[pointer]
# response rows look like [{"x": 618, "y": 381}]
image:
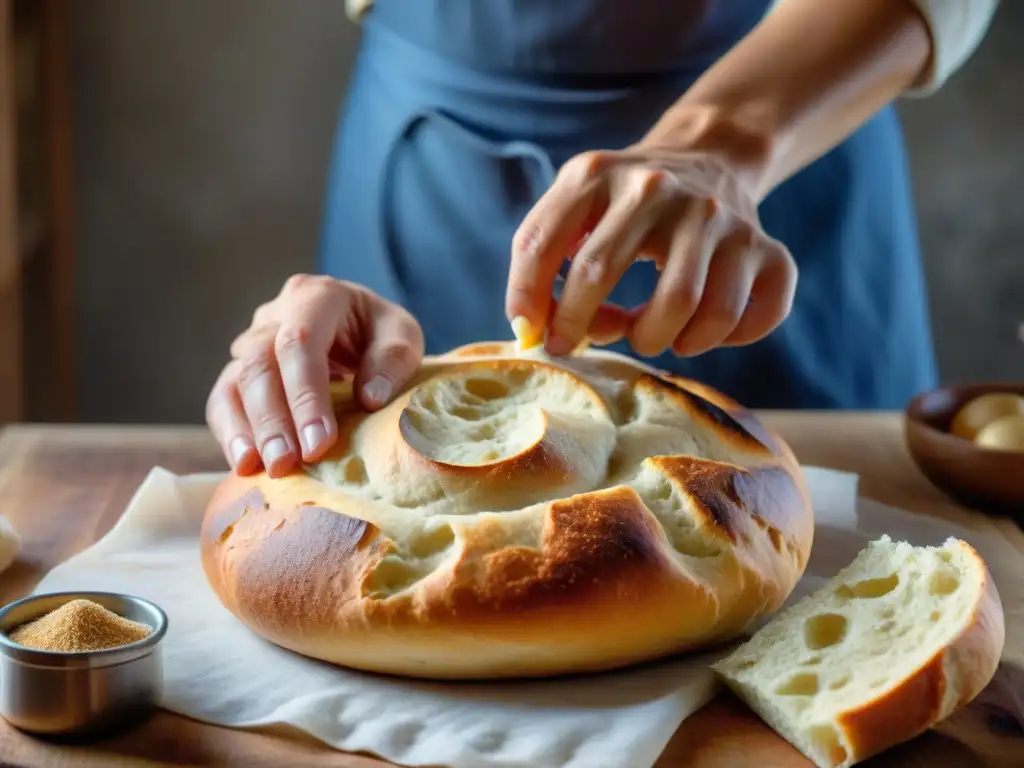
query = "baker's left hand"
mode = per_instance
[{"x": 723, "y": 281}]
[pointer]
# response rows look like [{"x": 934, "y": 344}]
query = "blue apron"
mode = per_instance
[{"x": 459, "y": 113}]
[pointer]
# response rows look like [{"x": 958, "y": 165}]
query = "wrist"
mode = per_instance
[{"x": 744, "y": 136}]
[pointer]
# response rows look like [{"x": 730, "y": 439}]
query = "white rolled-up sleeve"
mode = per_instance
[{"x": 957, "y": 28}]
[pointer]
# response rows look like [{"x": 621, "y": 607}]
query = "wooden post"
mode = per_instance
[
  {"x": 11, "y": 361},
  {"x": 60, "y": 209}
]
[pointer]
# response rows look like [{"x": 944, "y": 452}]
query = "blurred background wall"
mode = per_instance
[{"x": 202, "y": 132}]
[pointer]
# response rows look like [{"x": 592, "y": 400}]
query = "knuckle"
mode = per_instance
[
  {"x": 526, "y": 242},
  {"x": 305, "y": 284},
  {"x": 593, "y": 265},
  {"x": 267, "y": 423},
  {"x": 297, "y": 282},
  {"x": 262, "y": 315},
  {"x": 399, "y": 354},
  {"x": 649, "y": 184},
  {"x": 777, "y": 253},
  {"x": 306, "y": 400},
  {"x": 587, "y": 166},
  {"x": 258, "y": 363},
  {"x": 414, "y": 333},
  {"x": 684, "y": 296},
  {"x": 293, "y": 339},
  {"x": 569, "y": 322}
]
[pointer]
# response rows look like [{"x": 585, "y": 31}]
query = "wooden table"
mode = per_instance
[{"x": 63, "y": 488}]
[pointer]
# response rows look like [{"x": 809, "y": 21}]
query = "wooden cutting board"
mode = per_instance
[{"x": 63, "y": 488}]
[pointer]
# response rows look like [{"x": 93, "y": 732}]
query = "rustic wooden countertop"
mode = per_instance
[{"x": 64, "y": 487}]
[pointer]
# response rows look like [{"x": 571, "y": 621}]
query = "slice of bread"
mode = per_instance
[{"x": 893, "y": 644}]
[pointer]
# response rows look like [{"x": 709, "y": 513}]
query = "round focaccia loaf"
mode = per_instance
[{"x": 514, "y": 515}]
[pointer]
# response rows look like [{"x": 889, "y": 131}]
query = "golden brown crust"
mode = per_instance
[
  {"x": 952, "y": 678},
  {"x": 537, "y": 563}
]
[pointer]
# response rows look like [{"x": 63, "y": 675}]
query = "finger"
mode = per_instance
[
  {"x": 771, "y": 298},
  {"x": 392, "y": 355},
  {"x": 605, "y": 257},
  {"x": 550, "y": 233},
  {"x": 681, "y": 284},
  {"x": 228, "y": 423},
  {"x": 610, "y": 324},
  {"x": 266, "y": 409},
  {"x": 302, "y": 347},
  {"x": 252, "y": 337},
  {"x": 725, "y": 298}
]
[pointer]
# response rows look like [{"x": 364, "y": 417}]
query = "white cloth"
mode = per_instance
[{"x": 218, "y": 671}]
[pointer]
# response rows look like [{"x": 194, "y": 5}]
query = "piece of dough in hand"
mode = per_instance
[{"x": 10, "y": 544}]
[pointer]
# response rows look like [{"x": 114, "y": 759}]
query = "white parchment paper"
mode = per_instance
[{"x": 218, "y": 671}]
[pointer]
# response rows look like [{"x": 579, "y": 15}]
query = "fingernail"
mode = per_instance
[
  {"x": 558, "y": 345},
  {"x": 378, "y": 390},
  {"x": 239, "y": 448},
  {"x": 274, "y": 449},
  {"x": 312, "y": 436}
]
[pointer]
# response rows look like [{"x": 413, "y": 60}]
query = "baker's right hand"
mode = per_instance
[{"x": 271, "y": 404}]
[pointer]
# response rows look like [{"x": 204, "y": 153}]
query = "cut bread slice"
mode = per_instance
[{"x": 893, "y": 644}]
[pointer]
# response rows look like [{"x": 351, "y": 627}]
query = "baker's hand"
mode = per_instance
[
  {"x": 723, "y": 281},
  {"x": 271, "y": 404}
]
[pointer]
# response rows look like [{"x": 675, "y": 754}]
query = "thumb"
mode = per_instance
[{"x": 392, "y": 355}]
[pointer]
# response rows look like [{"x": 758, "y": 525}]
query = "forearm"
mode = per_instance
[{"x": 801, "y": 82}]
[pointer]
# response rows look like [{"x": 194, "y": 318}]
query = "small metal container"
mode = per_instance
[{"x": 84, "y": 694}]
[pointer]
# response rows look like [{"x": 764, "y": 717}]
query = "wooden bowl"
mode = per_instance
[{"x": 985, "y": 480}]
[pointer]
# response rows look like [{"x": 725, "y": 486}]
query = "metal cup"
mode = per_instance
[{"x": 80, "y": 694}]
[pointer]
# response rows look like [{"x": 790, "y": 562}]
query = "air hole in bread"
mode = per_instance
[
  {"x": 887, "y": 613},
  {"x": 825, "y": 741},
  {"x": 824, "y": 630},
  {"x": 870, "y": 588},
  {"x": 625, "y": 405},
  {"x": 355, "y": 471},
  {"x": 745, "y": 665},
  {"x": 392, "y": 575},
  {"x": 886, "y": 626},
  {"x": 935, "y": 615},
  {"x": 466, "y": 412},
  {"x": 945, "y": 556},
  {"x": 878, "y": 682},
  {"x": 944, "y": 582},
  {"x": 431, "y": 496},
  {"x": 812, "y": 661},
  {"x": 663, "y": 491},
  {"x": 800, "y": 684},
  {"x": 484, "y": 432},
  {"x": 839, "y": 683},
  {"x": 486, "y": 389},
  {"x": 432, "y": 542},
  {"x": 687, "y": 541},
  {"x": 615, "y": 466}
]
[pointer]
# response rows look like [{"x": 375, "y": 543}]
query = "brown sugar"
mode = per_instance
[{"x": 80, "y": 625}]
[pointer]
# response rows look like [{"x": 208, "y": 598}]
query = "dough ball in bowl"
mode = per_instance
[{"x": 514, "y": 515}]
